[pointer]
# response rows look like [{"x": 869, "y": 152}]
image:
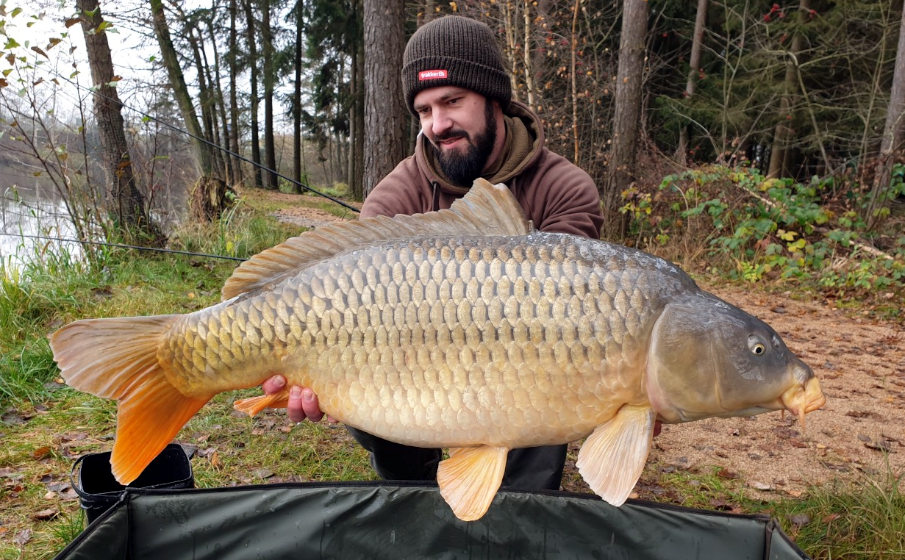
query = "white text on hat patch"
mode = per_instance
[{"x": 431, "y": 75}]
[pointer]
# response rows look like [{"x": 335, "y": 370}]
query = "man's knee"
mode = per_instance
[{"x": 394, "y": 461}]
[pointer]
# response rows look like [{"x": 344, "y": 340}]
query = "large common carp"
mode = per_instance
[{"x": 461, "y": 328}]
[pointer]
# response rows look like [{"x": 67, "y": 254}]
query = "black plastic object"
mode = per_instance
[
  {"x": 385, "y": 520},
  {"x": 98, "y": 491}
]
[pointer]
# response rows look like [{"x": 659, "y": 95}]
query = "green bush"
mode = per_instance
[{"x": 751, "y": 228}]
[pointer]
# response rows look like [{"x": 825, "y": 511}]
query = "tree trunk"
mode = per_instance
[
  {"x": 386, "y": 116},
  {"x": 205, "y": 95},
  {"x": 123, "y": 199},
  {"x": 220, "y": 106},
  {"x": 269, "y": 74},
  {"x": 356, "y": 116},
  {"x": 694, "y": 67},
  {"x": 210, "y": 191},
  {"x": 253, "y": 85},
  {"x": 297, "y": 140},
  {"x": 233, "y": 95},
  {"x": 526, "y": 55},
  {"x": 573, "y": 78},
  {"x": 892, "y": 132},
  {"x": 779, "y": 152},
  {"x": 508, "y": 17},
  {"x": 626, "y": 121}
]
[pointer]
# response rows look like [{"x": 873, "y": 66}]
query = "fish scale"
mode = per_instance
[{"x": 433, "y": 324}]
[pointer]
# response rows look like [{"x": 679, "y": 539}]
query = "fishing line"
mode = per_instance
[
  {"x": 124, "y": 246},
  {"x": 210, "y": 143}
]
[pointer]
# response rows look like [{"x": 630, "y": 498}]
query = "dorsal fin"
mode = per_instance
[{"x": 486, "y": 209}]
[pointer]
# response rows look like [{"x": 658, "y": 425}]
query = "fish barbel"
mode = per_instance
[{"x": 462, "y": 329}]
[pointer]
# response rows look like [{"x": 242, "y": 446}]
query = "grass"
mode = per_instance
[
  {"x": 46, "y": 426},
  {"x": 864, "y": 520}
]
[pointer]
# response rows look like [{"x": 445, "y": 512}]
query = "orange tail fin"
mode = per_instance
[{"x": 117, "y": 359}]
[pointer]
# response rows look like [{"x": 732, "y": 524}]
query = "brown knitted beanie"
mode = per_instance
[{"x": 454, "y": 51}]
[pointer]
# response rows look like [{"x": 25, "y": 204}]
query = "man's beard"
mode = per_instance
[{"x": 463, "y": 168}]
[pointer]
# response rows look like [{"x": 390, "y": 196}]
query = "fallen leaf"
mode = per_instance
[
  {"x": 263, "y": 473},
  {"x": 9, "y": 472},
  {"x": 726, "y": 474},
  {"x": 721, "y": 505},
  {"x": 46, "y": 514},
  {"x": 189, "y": 449},
  {"x": 22, "y": 537},
  {"x": 14, "y": 418},
  {"x": 40, "y": 453},
  {"x": 879, "y": 446}
]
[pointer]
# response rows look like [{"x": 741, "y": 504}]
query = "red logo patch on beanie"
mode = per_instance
[{"x": 432, "y": 75}]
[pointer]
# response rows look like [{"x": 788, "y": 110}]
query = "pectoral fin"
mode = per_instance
[
  {"x": 612, "y": 458},
  {"x": 470, "y": 478},
  {"x": 253, "y": 405}
]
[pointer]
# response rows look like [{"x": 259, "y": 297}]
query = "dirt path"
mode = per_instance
[{"x": 861, "y": 367}]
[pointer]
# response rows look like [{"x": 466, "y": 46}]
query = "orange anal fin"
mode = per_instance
[
  {"x": 253, "y": 405},
  {"x": 470, "y": 478},
  {"x": 149, "y": 417}
]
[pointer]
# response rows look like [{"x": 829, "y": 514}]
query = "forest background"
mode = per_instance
[{"x": 680, "y": 113}]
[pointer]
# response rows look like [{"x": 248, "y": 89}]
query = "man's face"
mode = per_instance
[{"x": 460, "y": 125}]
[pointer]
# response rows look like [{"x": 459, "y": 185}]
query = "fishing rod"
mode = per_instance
[{"x": 123, "y": 246}]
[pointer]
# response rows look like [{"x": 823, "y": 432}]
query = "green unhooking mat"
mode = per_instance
[{"x": 379, "y": 520}]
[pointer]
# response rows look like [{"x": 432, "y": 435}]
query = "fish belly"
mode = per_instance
[{"x": 510, "y": 341}]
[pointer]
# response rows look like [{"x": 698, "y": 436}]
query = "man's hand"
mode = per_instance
[{"x": 302, "y": 400}]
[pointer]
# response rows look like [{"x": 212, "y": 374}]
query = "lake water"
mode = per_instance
[{"x": 26, "y": 216}]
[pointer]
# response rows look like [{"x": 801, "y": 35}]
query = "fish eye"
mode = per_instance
[{"x": 757, "y": 346}]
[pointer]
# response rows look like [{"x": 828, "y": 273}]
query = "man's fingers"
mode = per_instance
[
  {"x": 294, "y": 406},
  {"x": 310, "y": 405},
  {"x": 274, "y": 384}
]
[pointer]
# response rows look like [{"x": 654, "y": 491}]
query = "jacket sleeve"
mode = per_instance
[
  {"x": 567, "y": 200},
  {"x": 397, "y": 193}
]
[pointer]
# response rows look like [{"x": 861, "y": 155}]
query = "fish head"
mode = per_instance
[{"x": 710, "y": 358}]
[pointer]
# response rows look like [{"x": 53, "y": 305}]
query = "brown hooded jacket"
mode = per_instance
[{"x": 557, "y": 196}]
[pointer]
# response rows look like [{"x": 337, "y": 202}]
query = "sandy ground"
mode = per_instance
[{"x": 861, "y": 367}]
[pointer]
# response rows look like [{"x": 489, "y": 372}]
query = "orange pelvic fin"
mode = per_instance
[
  {"x": 612, "y": 457},
  {"x": 470, "y": 478},
  {"x": 117, "y": 359},
  {"x": 253, "y": 405}
]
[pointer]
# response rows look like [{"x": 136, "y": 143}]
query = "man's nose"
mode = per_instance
[{"x": 440, "y": 122}]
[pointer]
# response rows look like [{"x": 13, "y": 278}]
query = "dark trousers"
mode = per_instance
[{"x": 530, "y": 468}]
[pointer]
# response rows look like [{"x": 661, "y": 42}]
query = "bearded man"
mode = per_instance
[{"x": 455, "y": 84}]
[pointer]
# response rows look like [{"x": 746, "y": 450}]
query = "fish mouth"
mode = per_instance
[{"x": 802, "y": 399}]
